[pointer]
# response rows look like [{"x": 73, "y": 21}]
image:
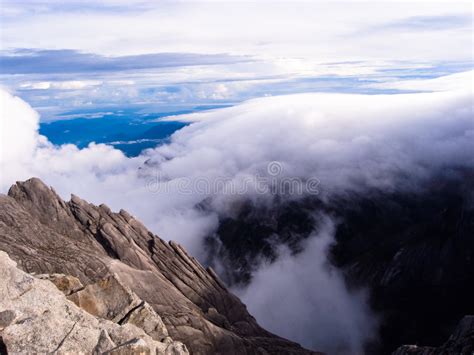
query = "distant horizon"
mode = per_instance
[{"x": 160, "y": 55}]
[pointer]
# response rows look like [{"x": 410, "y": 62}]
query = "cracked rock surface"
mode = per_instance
[{"x": 36, "y": 317}]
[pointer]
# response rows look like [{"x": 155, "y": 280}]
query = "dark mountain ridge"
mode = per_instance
[{"x": 413, "y": 250}]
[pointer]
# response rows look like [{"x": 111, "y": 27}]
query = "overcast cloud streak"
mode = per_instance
[{"x": 24, "y": 61}]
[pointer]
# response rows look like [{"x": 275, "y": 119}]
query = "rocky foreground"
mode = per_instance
[
  {"x": 36, "y": 317},
  {"x": 78, "y": 278}
]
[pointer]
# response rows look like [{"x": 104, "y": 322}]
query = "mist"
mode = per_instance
[
  {"x": 305, "y": 299},
  {"x": 350, "y": 143}
]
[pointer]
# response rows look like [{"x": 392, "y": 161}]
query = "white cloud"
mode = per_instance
[
  {"x": 25, "y": 153},
  {"x": 286, "y": 42},
  {"x": 62, "y": 85},
  {"x": 349, "y": 142},
  {"x": 277, "y": 29},
  {"x": 18, "y": 129},
  {"x": 458, "y": 81}
]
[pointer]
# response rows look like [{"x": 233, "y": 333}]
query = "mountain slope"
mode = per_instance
[
  {"x": 411, "y": 249},
  {"x": 47, "y": 235}
]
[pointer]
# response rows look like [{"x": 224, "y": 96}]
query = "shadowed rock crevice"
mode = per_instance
[
  {"x": 3, "y": 347},
  {"x": 64, "y": 339},
  {"x": 127, "y": 316}
]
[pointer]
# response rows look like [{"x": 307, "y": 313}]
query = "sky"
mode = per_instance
[
  {"x": 165, "y": 56},
  {"x": 360, "y": 95}
]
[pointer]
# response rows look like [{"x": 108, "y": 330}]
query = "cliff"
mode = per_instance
[
  {"x": 113, "y": 273},
  {"x": 412, "y": 250}
]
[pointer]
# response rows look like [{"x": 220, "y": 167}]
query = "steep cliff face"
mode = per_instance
[
  {"x": 415, "y": 252},
  {"x": 46, "y": 235},
  {"x": 412, "y": 250}
]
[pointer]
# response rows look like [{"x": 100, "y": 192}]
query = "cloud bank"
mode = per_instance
[{"x": 351, "y": 143}]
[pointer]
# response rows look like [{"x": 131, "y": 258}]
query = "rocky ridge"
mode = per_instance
[
  {"x": 412, "y": 250},
  {"x": 121, "y": 276},
  {"x": 460, "y": 342}
]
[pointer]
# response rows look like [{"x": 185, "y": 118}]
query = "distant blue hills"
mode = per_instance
[{"x": 127, "y": 130}]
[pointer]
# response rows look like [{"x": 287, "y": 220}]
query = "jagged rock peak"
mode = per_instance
[{"x": 163, "y": 290}]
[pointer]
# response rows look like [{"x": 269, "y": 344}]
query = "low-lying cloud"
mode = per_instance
[
  {"x": 350, "y": 143},
  {"x": 306, "y": 300}
]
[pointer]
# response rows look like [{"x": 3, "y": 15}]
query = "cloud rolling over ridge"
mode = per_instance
[{"x": 351, "y": 143}]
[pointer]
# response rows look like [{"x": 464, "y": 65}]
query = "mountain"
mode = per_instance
[
  {"x": 415, "y": 253},
  {"x": 412, "y": 250},
  {"x": 115, "y": 276}
]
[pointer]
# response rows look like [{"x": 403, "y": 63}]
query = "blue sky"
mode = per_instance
[{"x": 165, "y": 56}]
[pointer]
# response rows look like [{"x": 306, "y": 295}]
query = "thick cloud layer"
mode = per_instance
[{"x": 350, "y": 143}]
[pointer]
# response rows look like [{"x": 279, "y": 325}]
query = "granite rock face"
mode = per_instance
[
  {"x": 102, "y": 255},
  {"x": 66, "y": 283},
  {"x": 111, "y": 299},
  {"x": 36, "y": 317}
]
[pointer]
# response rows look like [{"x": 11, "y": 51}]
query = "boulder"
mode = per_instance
[
  {"x": 66, "y": 283},
  {"x": 107, "y": 298},
  {"x": 38, "y": 318},
  {"x": 111, "y": 299}
]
